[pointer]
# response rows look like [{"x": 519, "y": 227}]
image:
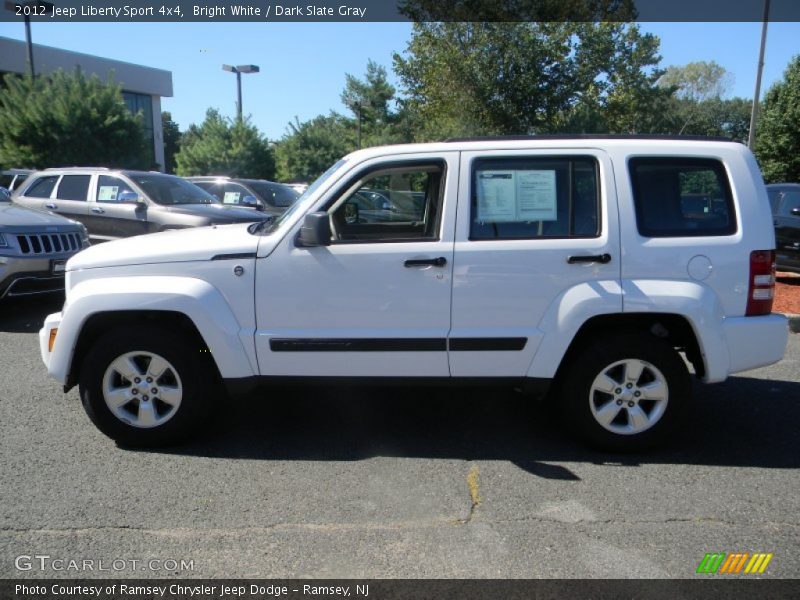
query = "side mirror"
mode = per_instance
[
  {"x": 249, "y": 201},
  {"x": 316, "y": 230},
  {"x": 795, "y": 211},
  {"x": 351, "y": 212}
]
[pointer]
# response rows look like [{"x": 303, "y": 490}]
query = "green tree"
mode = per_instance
[
  {"x": 172, "y": 140},
  {"x": 697, "y": 81},
  {"x": 523, "y": 78},
  {"x": 715, "y": 117},
  {"x": 65, "y": 119},
  {"x": 221, "y": 146},
  {"x": 778, "y": 133},
  {"x": 309, "y": 148},
  {"x": 369, "y": 100}
]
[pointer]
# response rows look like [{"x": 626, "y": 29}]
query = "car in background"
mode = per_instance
[
  {"x": 784, "y": 199},
  {"x": 34, "y": 248},
  {"x": 116, "y": 204},
  {"x": 266, "y": 196},
  {"x": 11, "y": 179},
  {"x": 298, "y": 187}
]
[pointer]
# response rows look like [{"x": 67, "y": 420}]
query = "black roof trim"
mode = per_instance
[{"x": 591, "y": 136}]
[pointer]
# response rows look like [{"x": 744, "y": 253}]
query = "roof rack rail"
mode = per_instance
[
  {"x": 73, "y": 168},
  {"x": 591, "y": 136}
]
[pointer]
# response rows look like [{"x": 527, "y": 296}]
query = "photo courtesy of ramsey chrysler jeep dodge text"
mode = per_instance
[{"x": 600, "y": 270}]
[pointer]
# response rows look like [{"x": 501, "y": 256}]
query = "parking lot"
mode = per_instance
[{"x": 393, "y": 483}]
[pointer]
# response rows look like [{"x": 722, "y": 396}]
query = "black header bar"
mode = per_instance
[{"x": 180, "y": 11}]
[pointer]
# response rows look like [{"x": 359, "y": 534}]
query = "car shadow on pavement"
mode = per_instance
[
  {"x": 26, "y": 314},
  {"x": 745, "y": 422}
]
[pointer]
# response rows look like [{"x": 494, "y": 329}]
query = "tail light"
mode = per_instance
[{"x": 762, "y": 283}]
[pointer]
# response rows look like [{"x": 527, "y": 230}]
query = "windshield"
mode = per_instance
[
  {"x": 168, "y": 190},
  {"x": 302, "y": 201},
  {"x": 4, "y": 195},
  {"x": 274, "y": 194}
]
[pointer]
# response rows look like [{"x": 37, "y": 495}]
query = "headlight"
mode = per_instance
[{"x": 84, "y": 236}]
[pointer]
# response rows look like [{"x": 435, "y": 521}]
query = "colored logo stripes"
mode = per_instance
[{"x": 734, "y": 563}]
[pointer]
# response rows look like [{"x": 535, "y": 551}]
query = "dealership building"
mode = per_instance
[{"x": 142, "y": 87}]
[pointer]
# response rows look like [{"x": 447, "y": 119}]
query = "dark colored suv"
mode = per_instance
[
  {"x": 115, "y": 203},
  {"x": 266, "y": 196},
  {"x": 784, "y": 198}
]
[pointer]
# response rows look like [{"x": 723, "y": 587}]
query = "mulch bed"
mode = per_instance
[{"x": 787, "y": 294}]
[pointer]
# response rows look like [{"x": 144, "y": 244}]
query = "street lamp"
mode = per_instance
[
  {"x": 239, "y": 69},
  {"x": 37, "y": 7}
]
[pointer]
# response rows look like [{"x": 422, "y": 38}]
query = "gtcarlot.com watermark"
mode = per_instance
[{"x": 47, "y": 563}]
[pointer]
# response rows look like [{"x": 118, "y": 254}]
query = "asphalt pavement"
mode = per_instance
[{"x": 372, "y": 483}]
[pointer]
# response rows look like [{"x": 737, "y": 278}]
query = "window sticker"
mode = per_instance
[
  {"x": 231, "y": 198},
  {"x": 516, "y": 195},
  {"x": 107, "y": 193}
]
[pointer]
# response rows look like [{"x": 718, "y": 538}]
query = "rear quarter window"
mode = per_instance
[
  {"x": 681, "y": 197},
  {"x": 41, "y": 187}
]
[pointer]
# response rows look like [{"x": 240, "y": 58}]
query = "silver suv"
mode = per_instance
[
  {"x": 34, "y": 247},
  {"x": 116, "y": 203}
]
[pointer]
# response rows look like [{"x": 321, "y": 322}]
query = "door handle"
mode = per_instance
[
  {"x": 98, "y": 210},
  {"x": 596, "y": 258},
  {"x": 426, "y": 262},
  {"x": 51, "y": 205}
]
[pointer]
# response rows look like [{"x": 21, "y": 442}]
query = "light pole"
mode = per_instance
[
  {"x": 239, "y": 69},
  {"x": 751, "y": 137},
  {"x": 26, "y": 8}
]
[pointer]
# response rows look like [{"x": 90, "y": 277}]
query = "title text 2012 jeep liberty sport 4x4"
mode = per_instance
[{"x": 594, "y": 263}]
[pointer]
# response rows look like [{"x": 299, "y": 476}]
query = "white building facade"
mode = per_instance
[{"x": 142, "y": 87}]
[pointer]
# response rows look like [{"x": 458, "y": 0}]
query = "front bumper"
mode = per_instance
[
  {"x": 29, "y": 276},
  {"x": 51, "y": 322},
  {"x": 755, "y": 341}
]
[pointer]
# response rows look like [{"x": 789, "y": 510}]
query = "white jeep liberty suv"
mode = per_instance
[{"x": 595, "y": 264}]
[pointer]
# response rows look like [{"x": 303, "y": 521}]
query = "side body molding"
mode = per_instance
[{"x": 197, "y": 299}]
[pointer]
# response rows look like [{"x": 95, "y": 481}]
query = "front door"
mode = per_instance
[
  {"x": 114, "y": 213},
  {"x": 376, "y": 302}
]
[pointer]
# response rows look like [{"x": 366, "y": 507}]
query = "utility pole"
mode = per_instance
[{"x": 751, "y": 138}]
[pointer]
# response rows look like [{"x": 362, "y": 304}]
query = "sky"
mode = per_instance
[{"x": 303, "y": 65}]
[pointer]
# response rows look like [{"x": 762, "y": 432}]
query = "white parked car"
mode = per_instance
[{"x": 584, "y": 265}]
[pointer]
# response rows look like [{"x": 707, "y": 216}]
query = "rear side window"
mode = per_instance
[
  {"x": 682, "y": 197},
  {"x": 534, "y": 198},
  {"x": 73, "y": 187},
  {"x": 42, "y": 187},
  {"x": 790, "y": 202}
]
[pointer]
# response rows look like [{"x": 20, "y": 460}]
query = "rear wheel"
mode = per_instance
[
  {"x": 146, "y": 387},
  {"x": 625, "y": 393}
]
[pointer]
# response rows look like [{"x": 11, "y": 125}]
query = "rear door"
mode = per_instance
[
  {"x": 70, "y": 197},
  {"x": 535, "y": 236}
]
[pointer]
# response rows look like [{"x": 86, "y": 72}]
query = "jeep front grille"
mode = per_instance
[{"x": 49, "y": 243}]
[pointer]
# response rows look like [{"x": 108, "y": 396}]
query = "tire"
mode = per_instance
[
  {"x": 625, "y": 393},
  {"x": 168, "y": 408}
]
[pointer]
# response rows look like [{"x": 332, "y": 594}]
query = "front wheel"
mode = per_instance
[
  {"x": 625, "y": 393},
  {"x": 145, "y": 387}
]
